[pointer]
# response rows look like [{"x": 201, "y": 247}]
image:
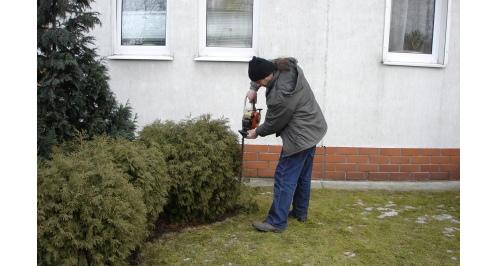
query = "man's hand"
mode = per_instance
[
  {"x": 252, "y": 134},
  {"x": 252, "y": 96}
]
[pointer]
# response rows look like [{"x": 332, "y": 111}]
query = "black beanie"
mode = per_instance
[{"x": 259, "y": 68}]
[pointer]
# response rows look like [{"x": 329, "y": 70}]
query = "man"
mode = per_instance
[{"x": 294, "y": 114}]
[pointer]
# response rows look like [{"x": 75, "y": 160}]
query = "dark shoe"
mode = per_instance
[
  {"x": 266, "y": 227},
  {"x": 300, "y": 219}
]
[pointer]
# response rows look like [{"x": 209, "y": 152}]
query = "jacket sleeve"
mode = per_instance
[{"x": 277, "y": 117}]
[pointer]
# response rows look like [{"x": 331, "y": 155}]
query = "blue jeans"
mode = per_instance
[{"x": 292, "y": 184}]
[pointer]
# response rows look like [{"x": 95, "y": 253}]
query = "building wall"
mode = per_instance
[
  {"x": 362, "y": 163},
  {"x": 338, "y": 44},
  {"x": 371, "y": 104}
]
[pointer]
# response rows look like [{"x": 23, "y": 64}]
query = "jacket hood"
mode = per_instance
[{"x": 290, "y": 76}]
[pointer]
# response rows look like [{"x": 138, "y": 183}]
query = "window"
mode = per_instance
[
  {"x": 141, "y": 29},
  {"x": 227, "y": 30},
  {"x": 416, "y": 32}
]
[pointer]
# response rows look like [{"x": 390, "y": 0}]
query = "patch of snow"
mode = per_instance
[
  {"x": 407, "y": 207},
  {"x": 449, "y": 251},
  {"x": 453, "y": 258},
  {"x": 349, "y": 254},
  {"x": 388, "y": 214},
  {"x": 383, "y": 209},
  {"x": 449, "y": 231},
  {"x": 421, "y": 220},
  {"x": 369, "y": 209},
  {"x": 359, "y": 202},
  {"x": 186, "y": 259},
  {"x": 443, "y": 217},
  {"x": 390, "y": 204},
  {"x": 440, "y": 206}
]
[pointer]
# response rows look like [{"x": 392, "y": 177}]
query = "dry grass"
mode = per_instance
[{"x": 344, "y": 227}]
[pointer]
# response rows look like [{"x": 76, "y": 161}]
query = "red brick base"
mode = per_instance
[{"x": 354, "y": 163}]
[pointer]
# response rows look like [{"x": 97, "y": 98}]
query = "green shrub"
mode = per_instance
[
  {"x": 203, "y": 158},
  {"x": 143, "y": 165},
  {"x": 147, "y": 171},
  {"x": 88, "y": 212},
  {"x": 246, "y": 201}
]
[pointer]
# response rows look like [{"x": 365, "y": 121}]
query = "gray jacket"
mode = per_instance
[{"x": 292, "y": 111}]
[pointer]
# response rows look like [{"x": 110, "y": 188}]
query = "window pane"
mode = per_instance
[
  {"x": 144, "y": 22},
  {"x": 229, "y": 23},
  {"x": 411, "y": 26}
]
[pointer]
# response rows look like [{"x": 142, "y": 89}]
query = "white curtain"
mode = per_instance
[
  {"x": 411, "y": 26},
  {"x": 229, "y": 23}
]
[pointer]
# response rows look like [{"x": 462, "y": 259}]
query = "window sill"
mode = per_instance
[
  {"x": 141, "y": 57},
  {"x": 393, "y": 63},
  {"x": 223, "y": 58}
]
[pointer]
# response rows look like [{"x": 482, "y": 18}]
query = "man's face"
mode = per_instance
[{"x": 265, "y": 81}]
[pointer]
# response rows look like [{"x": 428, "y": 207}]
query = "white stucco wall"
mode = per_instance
[{"x": 339, "y": 45}]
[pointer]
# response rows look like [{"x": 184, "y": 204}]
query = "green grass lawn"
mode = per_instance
[{"x": 343, "y": 228}]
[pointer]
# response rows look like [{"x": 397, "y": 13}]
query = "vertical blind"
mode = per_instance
[{"x": 229, "y": 23}]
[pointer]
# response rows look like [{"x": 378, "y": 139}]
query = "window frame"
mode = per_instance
[
  {"x": 222, "y": 53},
  {"x": 441, "y": 32},
  {"x": 139, "y": 52}
]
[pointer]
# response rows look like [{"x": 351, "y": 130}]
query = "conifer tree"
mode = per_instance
[{"x": 73, "y": 94}]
